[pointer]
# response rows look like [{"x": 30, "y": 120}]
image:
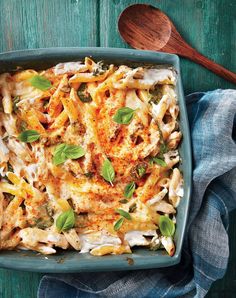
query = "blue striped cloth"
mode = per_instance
[{"x": 205, "y": 255}]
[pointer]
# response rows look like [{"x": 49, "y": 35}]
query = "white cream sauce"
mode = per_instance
[
  {"x": 68, "y": 67},
  {"x": 4, "y": 151},
  {"x": 95, "y": 239},
  {"x": 158, "y": 197},
  {"x": 153, "y": 76},
  {"x": 137, "y": 237}
]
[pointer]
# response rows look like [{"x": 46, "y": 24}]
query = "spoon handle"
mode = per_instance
[{"x": 211, "y": 65}]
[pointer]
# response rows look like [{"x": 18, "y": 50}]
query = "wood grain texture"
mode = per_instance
[
  {"x": 15, "y": 284},
  {"x": 144, "y": 27},
  {"x": 207, "y": 25},
  {"x": 48, "y": 23}
]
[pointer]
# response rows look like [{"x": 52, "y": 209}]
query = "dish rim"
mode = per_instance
[{"x": 25, "y": 261}]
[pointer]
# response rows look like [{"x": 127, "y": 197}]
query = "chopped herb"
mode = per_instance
[
  {"x": 29, "y": 136},
  {"x": 118, "y": 224},
  {"x": 23, "y": 126},
  {"x": 132, "y": 208},
  {"x": 83, "y": 93},
  {"x": 66, "y": 220},
  {"x": 123, "y": 213},
  {"x": 5, "y": 138},
  {"x": 124, "y": 115},
  {"x": 167, "y": 227},
  {"x": 43, "y": 224},
  {"x": 155, "y": 95},
  {"x": 100, "y": 69},
  {"x": 158, "y": 161},
  {"x": 139, "y": 170},
  {"x": 163, "y": 148},
  {"x": 40, "y": 82},
  {"x": 129, "y": 189},
  {"x": 16, "y": 99},
  {"x": 108, "y": 172},
  {"x": 64, "y": 151},
  {"x": 89, "y": 175},
  {"x": 123, "y": 201},
  {"x": 9, "y": 167}
]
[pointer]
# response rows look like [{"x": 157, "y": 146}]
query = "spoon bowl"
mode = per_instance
[
  {"x": 145, "y": 27},
  {"x": 151, "y": 33}
]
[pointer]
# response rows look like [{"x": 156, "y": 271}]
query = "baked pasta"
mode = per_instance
[{"x": 89, "y": 158}]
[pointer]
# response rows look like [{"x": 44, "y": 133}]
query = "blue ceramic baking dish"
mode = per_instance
[{"x": 71, "y": 261}]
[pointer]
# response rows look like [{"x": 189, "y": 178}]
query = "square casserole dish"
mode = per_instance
[{"x": 72, "y": 261}]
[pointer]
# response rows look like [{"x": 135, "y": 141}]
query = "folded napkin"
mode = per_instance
[{"x": 212, "y": 117}]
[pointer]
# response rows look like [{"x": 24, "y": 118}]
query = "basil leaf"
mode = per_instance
[
  {"x": 129, "y": 190},
  {"x": 163, "y": 149},
  {"x": 167, "y": 227},
  {"x": 141, "y": 170},
  {"x": 158, "y": 161},
  {"x": 29, "y": 136},
  {"x": 83, "y": 94},
  {"x": 108, "y": 172},
  {"x": 118, "y": 224},
  {"x": 59, "y": 155},
  {"x": 132, "y": 208},
  {"x": 74, "y": 152},
  {"x": 63, "y": 152},
  {"x": 40, "y": 82},
  {"x": 124, "y": 213},
  {"x": 124, "y": 115},
  {"x": 66, "y": 220}
]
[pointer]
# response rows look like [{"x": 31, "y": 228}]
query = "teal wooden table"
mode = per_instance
[{"x": 207, "y": 25}]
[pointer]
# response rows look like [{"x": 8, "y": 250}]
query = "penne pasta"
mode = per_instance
[{"x": 89, "y": 158}]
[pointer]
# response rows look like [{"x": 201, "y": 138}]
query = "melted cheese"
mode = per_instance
[
  {"x": 136, "y": 238},
  {"x": 94, "y": 239},
  {"x": 69, "y": 67},
  {"x": 154, "y": 76},
  {"x": 4, "y": 152},
  {"x": 79, "y": 109}
]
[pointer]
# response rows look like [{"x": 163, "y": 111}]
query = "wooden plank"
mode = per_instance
[
  {"x": 47, "y": 23},
  {"x": 34, "y": 24},
  {"x": 209, "y": 26},
  {"x": 206, "y": 25},
  {"x": 16, "y": 284}
]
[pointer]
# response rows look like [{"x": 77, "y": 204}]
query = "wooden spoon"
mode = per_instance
[{"x": 148, "y": 28}]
